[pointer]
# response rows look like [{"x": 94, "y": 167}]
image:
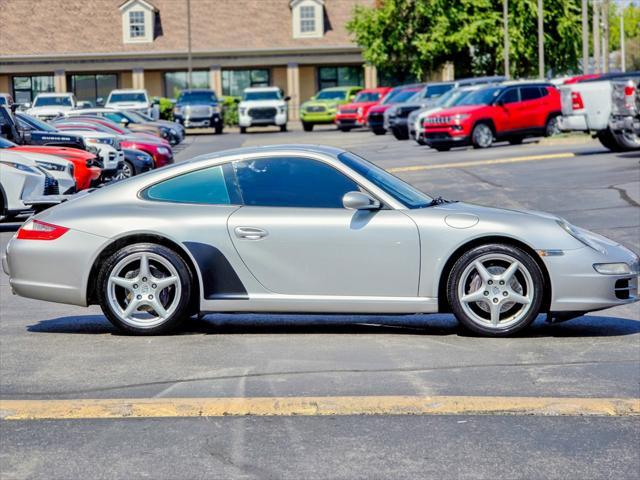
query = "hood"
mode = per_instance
[
  {"x": 380, "y": 108},
  {"x": 48, "y": 110},
  {"x": 262, "y": 103},
  {"x": 38, "y": 157},
  {"x": 57, "y": 151},
  {"x": 356, "y": 105},
  {"x": 326, "y": 103}
]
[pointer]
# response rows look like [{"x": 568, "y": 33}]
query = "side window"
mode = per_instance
[
  {"x": 543, "y": 92},
  {"x": 529, "y": 93},
  {"x": 510, "y": 96},
  {"x": 208, "y": 186},
  {"x": 291, "y": 182}
]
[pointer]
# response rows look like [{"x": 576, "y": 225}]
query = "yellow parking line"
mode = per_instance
[
  {"x": 315, "y": 406},
  {"x": 482, "y": 163}
]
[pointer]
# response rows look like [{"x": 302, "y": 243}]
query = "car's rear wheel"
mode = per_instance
[
  {"x": 307, "y": 127},
  {"x": 552, "y": 127},
  {"x": 283, "y": 128},
  {"x": 379, "y": 131},
  {"x": 145, "y": 289},
  {"x": 482, "y": 136},
  {"x": 495, "y": 290}
]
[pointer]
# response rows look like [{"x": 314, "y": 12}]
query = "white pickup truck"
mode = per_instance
[
  {"x": 48, "y": 106},
  {"x": 605, "y": 107}
]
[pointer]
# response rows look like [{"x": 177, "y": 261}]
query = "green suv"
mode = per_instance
[{"x": 322, "y": 107}]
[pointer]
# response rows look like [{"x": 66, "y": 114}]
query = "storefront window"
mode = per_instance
[
  {"x": 339, "y": 77},
  {"x": 235, "y": 81},
  {"x": 175, "y": 82},
  {"x": 25, "y": 89},
  {"x": 91, "y": 87}
]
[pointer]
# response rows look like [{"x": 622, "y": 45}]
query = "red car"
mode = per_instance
[
  {"x": 375, "y": 117},
  {"x": 158, "y": 148},
  {"x": 85, "y": 169},
  {"x": 505, "y": 112},
  {"x": 354, "y": 114}
]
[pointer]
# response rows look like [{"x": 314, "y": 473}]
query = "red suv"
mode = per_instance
[
  {"x": 354, "y": 114},
  {"x": 504, "y": 112}
]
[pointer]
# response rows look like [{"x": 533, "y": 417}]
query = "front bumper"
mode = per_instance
[
  {"x": 445, "y": 137},
  {"x": 577, "y": 287},
  {"x": 248, "y": 121},
  {"x": 189, "y": 121},
  {"x": 54, "y": 271},
  {"x": 326, "y": 117}
]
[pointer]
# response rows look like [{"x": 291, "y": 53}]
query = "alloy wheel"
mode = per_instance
[
  {"x": 144, "y": 290},
  {"x": 496, "y": 291},
  {"x": 482, "y": 136}
]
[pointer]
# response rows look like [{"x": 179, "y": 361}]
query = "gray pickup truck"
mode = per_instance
[{"x": 607, "y": 107}]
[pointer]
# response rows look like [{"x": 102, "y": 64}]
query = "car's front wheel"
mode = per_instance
[
  {"x": 495, "y": 290},
  {"x": 307, "y": 127},
  {"x": 145, "y": 289},
  {"x": 482, "y": 136}
]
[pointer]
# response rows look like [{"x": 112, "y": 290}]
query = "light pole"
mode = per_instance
[
  {"x": 585, "y": 37},
  {"x": 505, "y": 14},
  {"x": 623, "y": 60},
  {"x": 596, "y": 36},
  {"x": 189, "y": 67},
  {"x": 540, "y": 39},
  {"x": 605, "y": 36}
]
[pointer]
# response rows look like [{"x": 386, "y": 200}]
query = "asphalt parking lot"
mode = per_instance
[{"x": 57, "y": 352}]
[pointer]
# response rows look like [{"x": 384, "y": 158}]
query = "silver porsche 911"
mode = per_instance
[{"x": 298, "y": 228}]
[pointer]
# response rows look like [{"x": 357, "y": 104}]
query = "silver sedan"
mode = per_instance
[{"x": 297, "y": 228}]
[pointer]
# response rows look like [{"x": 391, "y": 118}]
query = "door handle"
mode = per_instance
[{"x": 250, "y": 233}]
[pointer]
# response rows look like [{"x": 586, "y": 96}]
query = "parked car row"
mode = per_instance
[{"x": 75, "y": 150}]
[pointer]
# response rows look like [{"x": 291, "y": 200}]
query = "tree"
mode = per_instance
[{"x": 418, "y": 36}]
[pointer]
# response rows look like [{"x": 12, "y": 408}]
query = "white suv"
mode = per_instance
[
  {"x": 51, "y": 105},
  {"x": 261, "y": 106},
  {"x": 130, "y": 99}
]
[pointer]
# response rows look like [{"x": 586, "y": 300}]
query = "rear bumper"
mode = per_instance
[
  {"x": 569, "y": 123},
  {"x": 625, "y": 124},
  {"x": 54, "y": 271}
]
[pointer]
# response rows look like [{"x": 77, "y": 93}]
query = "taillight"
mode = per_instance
[
  {"x": 628, "y": 91},
  {"x": 576, "y": 101},
  {"x": 629, "y": 94},
  {"x": 37, "y": 230}
]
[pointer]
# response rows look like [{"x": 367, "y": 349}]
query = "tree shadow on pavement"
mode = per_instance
[{"x": 243, "y": 324}]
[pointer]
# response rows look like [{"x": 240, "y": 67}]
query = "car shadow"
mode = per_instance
[{"x": 429, "y": 325}]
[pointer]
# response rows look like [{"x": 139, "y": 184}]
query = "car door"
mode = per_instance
[
  {"x": 508, "y": 115},
  {"x": 296, "y": 238},
  {"x": 532, "y": 107}
]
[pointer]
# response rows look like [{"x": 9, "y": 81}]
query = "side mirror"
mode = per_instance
[
  {"x": 124, "y": 122},
  {"x": 100, "y": 102},
  {"x": 287, "y": 98},
  {"x": 155, "y": 101},
  {"x": 352, "y": 98},
  {"x": 27, "y": 105},
  {"x": 359, "y": 201},
  {"x": 313, "y": 98},
  {"x": 500, "y": 103}
]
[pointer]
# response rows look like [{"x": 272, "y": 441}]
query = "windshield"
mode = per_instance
[
  {"x": 401, "y": 96},
  {"x": 331, "y": 95},
  {"x": 438, "y": 89},
  {"x": 367, "y": 97},
  {"x": 481, "y": 97},
  {"x": 401, "y": 191},
  {"x": 138, "y": 117},
  {"x": 53, "y": 101},
  {"x": 127, "y": 97},
  {"x": 4, "y": 143},
  {"x": 3, "y": 101},
  {"x": 29, "y": 122},
  {"x": 262, "y": 95},
  {"x": 453, "y": 97},
  {"x": 197, "y": 97}
]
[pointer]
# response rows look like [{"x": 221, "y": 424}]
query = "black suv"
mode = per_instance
[{"x": 199, "y": 108}]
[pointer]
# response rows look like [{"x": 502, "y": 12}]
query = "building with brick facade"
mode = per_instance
[{"x": 90, "y": 47}]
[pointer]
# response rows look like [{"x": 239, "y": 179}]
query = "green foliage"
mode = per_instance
[
  {"x": 230, "y": 110},
  {"x": 416, "y": 37},
  {"x": 166, "y": 109}
]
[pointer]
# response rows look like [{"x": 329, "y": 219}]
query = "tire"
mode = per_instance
[
  {"x": 489, "y": 309},
  {"x": 482, "y": 136},
  {"x": 400, "y": 134},
  {"x": 608, "y": 140},
  {"x": 442, "y": 148},
  {"x": 307, "y": 127},
  {"x": 627, "y": 141},
  {"x": 552, "y": 127},
  {"x": 128, "y": 170},
  {"x": 243, "y": 129},
  {"x": 516, "y": 140},
  {"x": 420, "y": 141},
  {"x": 379, "y": 131},
  {"x": 219, "y": 129},
  {"x": 283, "y": 128},
  {"x": 163, "y": 264}
]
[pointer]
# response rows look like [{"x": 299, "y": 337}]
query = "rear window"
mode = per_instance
[
  {"x": 529, "y": 93},
  {"x": 206, "y": 186},
  {"x": 437, "y": 90}
]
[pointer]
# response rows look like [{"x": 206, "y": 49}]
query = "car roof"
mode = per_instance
[
  {"x": 261, "y": 89},
  {"x": 196, "y": 90},
  {"x": 129, "y": 90},
  {"x": 341, "y": 89},
  {"x": 54, "y": 94},
  {"x": 526, "y": 83},
  {"x": 296, "y": 147}
]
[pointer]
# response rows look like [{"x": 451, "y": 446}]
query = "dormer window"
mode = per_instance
[
  {"x": 138, "y": 18},
  {"x": 308, "y": 18}
]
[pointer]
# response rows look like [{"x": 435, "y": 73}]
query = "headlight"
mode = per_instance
[
  {"x": 460, "y": 117},
  {"x": 163, "y": 151},
  {"x": 92, "y": 149},
  {"x": 584, "y": 236},
  {"x": 216, "y": 109},
  {"x": 612, "y": 268},
  {"x": 243, "y": 111},
  {"x": 51, "y": 166},
  {"x": 282, "y": 110},
  {"x": 177, "y": 110},
  {"x": 359, "y": 111},
  {"x": 104, "y": 141},
  {"x": 19, "y": 166}
]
